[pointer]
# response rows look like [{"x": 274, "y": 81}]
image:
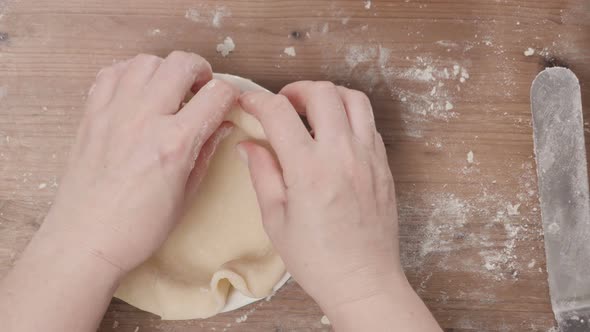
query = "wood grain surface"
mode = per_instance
[{"x": 446, "y": 77}]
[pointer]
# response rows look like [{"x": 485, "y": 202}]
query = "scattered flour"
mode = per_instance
[
  {"x": 464, "y": 75},
  {"x": 513, "y": 209},
  {"x": 154, "y": 32},
  {"x": 244, "y": 317},
  {"x": 501, "y": 260},
  {"x": 218, "y": 15},
  {"x": 470, "y": 157},
  {"x": 136, "y": 329},
  {"x": 368, "y": 4},
  {"x": 449, "y": 106},
  {"x": 532, "y": 264},
  {"x": 447, "y": 43},
  {"x": 358, "y": 54},
  {"x": 449, "y": 229},
  {"x": 529, "y": 52},
  {"x": 42, "y": 185},
  {"x": 324, "y": 320},
  {"x": 421, "y": 73},
  {"x": 426, "y": 87},
  {"x": 440, "y": 80},
  {"x": 192, "y": 14},
  {"x": 290, "y": 51},
  {"x": 226, "y": 47},
  {"x": 453, "y": 208},
  {"x": 213, "y": 16},
  {"x": 115, "y": 324}
]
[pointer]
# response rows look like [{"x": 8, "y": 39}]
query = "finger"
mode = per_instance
[
  {"x": 204, "y": 157},
  {"x": 204, "y": 113},
  {"x": 268, "y": 183},
  {"x": 360, "y": 114},
  {"x": 321, "y": 103},
  {"x": 281, "y": 123},
  {"x": 177, "y": 74},
  {"x": 381, "y": 149},
  {"x": 139, "y": 72},
  {"x": 383, "y": 170},
  {"x": 107, "y": 81}
]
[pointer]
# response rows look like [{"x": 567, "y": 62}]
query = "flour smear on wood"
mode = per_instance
[
  {"x": 212, "y": 16},
  {"x": 425, "y": 88}
]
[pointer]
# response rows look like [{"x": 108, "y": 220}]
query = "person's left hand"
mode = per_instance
[{"x": 137, "y": 154}]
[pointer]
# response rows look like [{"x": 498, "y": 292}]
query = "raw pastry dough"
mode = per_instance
[{"x": 219, "y": 243}]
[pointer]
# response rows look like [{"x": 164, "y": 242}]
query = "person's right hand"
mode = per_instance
[{"x": 328, "y": 203}]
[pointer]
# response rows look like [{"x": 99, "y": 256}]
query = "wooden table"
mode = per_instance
[{"x": 446, "y": 77}]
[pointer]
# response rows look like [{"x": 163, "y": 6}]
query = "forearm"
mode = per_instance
[
  {"x": 56, "y": 285},
  {"x": 396, "y": 308}
]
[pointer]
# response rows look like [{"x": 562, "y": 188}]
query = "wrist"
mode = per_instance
[
  {"x": 56, "y": 276},
  {"x": 70, "y": 251},
  {"x": 359, "y": 287},
  {"x": 393, "y": 303}
]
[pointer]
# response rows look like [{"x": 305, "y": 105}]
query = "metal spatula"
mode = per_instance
[{"x": 563, "y": 188}]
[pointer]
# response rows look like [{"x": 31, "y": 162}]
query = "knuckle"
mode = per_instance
[
  {"x": 175, "y": 149},
  {"x": 225, "y": 88},
  {"x": 106, "y": 74},
  {"x": 193, "y": 57},
  {"x": 147, "y": 59},
  {"x": 177, "y": 55},
  {"x": 361, "y": 96},
  {"x": 199, "y": 64},
  {"x": 180, "y": 131},
  {"x": 186, "y": 57},
  {"x": 277, "y": 102},
  {"x": 191, "y": 63},
  {"x": 325, "y": 85}
]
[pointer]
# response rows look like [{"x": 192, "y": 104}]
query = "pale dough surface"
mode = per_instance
[{"x": 218, "y": 245}]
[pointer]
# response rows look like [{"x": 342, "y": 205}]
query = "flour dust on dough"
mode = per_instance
[{"x": 219, "y": 244}]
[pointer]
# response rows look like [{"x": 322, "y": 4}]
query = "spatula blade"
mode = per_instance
[{"x": 563, "y": 188}]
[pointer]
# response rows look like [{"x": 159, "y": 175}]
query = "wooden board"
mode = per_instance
[{"x": 446, "y": 78}]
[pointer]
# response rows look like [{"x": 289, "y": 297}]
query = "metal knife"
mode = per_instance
[{"x": 563, "y": 188}]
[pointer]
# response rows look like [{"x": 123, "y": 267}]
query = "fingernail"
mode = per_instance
[{"x": 242, "y": 153}]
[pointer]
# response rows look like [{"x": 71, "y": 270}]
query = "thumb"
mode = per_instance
[{"x": 267, "y": 179}]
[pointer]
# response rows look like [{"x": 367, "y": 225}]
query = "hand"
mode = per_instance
[
  {"x": 328, "y": 203},
  {"x": 134, "y": 157}
]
